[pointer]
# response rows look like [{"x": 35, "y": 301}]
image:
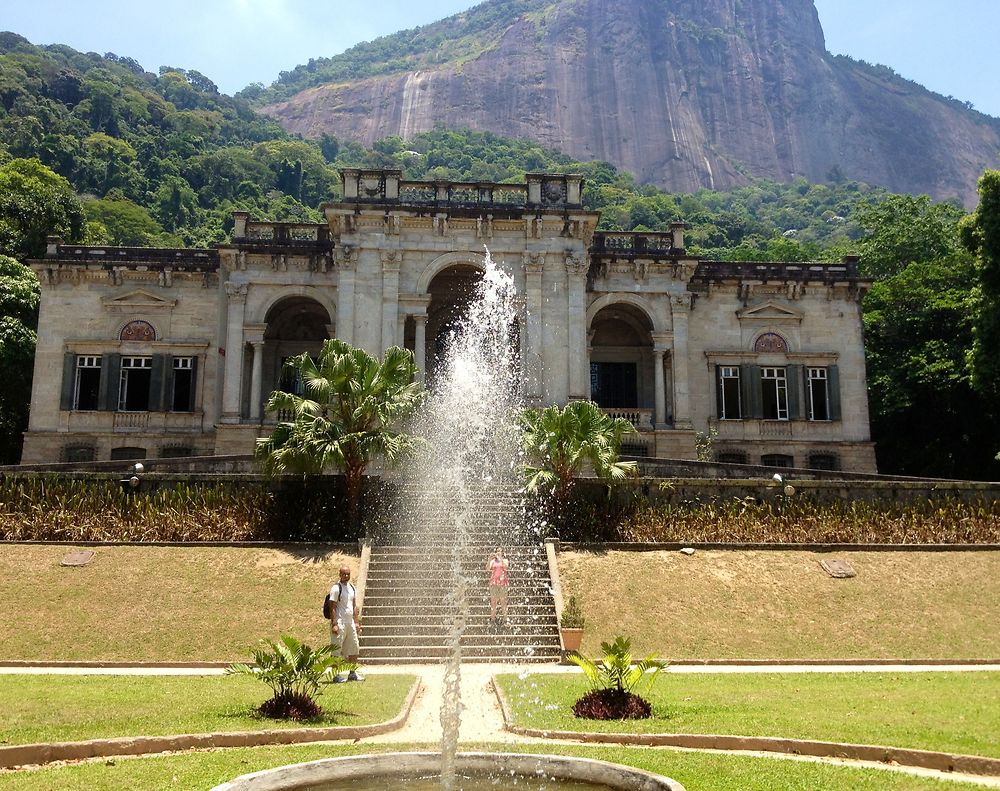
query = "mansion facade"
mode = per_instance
[{"x": 152, "y": 353}]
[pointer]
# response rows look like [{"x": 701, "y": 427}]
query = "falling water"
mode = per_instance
[{"x": 472, "y": 447}]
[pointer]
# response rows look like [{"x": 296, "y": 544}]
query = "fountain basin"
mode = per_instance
[{"x": 519, "y": 770}]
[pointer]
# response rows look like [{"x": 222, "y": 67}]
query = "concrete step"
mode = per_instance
[{"x": 428, "y": 654}]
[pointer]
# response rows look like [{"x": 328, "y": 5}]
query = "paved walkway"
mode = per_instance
[{"x": 482, "y": 719}]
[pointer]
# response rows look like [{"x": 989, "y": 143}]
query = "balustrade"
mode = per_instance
[{"x": 641, "y": 419}]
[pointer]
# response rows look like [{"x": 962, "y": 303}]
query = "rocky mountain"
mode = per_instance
[{"x": 683, "y": 93}]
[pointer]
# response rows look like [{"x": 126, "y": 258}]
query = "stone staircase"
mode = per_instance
[{"x": 408, "y": 604}]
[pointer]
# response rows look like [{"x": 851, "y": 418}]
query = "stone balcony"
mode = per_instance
[
  {"x": 136, "y": 422},
  {"x": 754, "y": 429}
]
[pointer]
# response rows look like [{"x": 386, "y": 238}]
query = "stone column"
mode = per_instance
[
  {"x": 534, "y": 264},
  {"x": 420, "y": 343},
  {"x": 347, "y": 261},
  {"x": 661, "y": 345},
  {"x": 233, "y": 383},
  {"x": 681, "y": 307},
  {"x": 254, "y": 335},
  {"x": 255, "y": 380},
  {"x": 391, "y": 260},
  {"x": 576, "y": 287}
]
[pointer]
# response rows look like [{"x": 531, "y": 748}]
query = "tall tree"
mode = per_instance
[
  {"x": 18, "y": 319},
  {"x": 981, "y": 235},
  {"x": 35, "y": 202},
  {"x": 350, "y": 414}
]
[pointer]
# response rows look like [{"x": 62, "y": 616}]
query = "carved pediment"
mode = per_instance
[
  {"x": 137, "y": 300},
  {"x": 770, "y": 312}
]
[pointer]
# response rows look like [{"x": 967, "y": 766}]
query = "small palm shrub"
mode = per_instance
[
  {"x": 295, "y": 673},
  {"x": 612, "y": 681}
]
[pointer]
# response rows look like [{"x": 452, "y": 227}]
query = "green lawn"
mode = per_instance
[
  {"x": 48, "y": 708},
  {"x": 950, "y": 712},
  {"x": 696, "y": 771}
]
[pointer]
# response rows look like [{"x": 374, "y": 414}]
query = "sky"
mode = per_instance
[{"x": 946, "y": 45}]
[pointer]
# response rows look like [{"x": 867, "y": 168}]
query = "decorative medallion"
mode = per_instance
[
  {"x": 138, "y": 331},
  {"x": 770, "y": 342}
]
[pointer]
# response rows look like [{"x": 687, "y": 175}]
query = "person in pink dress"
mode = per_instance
[{"x": 499, "y": 569}]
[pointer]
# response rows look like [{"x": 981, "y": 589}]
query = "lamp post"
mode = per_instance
[{"x": 131, "y": 483}]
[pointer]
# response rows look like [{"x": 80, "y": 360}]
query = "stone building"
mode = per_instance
[{"x": 146, "y": 353}]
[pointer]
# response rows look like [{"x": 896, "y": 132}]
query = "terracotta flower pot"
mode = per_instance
[{"x": 571, "y": 638}]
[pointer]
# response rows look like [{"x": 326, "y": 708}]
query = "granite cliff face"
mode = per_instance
[{"x": 682, "y": 93}]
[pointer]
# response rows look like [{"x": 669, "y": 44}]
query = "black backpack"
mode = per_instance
[{"x": 328, "y": 602}]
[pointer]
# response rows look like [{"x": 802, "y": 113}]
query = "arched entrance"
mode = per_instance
[
  {"x": 622, "y": 363},
  {"x": 451, "y": 291},
  {"x": 294, "y": 325}
]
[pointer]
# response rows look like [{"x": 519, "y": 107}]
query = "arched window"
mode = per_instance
[
  {"x": 770, "y": 342},
  {"x": 138, "y": 330}
]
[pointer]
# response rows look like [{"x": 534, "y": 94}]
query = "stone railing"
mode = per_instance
[
  {"x": 756, "y": 428},
  {"x": 286, "y": 234},
  {"x": 131, "y": 421},
  {"x": 631, "y": 244},
  {"x": 181, "y": 258},
  {"x": 846, "y": 271},
  {"x": 462, "y": 195},
  {"x": 642, "y": 419}
]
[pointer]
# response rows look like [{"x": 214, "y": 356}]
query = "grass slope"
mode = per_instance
[
  {"x": 145, "y": 603},
  {"x": 947, "y": 712},
  {"x": 782, "y": 605}
]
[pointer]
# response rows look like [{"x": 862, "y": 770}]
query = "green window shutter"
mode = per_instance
[
  {"x": 162, "y": 363},
  {"x": 794, "y": 383},
  {"x": 833, "y": 383},
  {"x": 753, "y": 399},
  {"x": 111, "y": 374},
  {"x": 68, "y": 381}
]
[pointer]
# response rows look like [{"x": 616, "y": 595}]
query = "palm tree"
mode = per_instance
[
  {"x": 349, "y": 414},
  {"x": 559, "y": 441}
]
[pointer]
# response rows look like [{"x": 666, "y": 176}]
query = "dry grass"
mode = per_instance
[
  {"x": 782, "y": 605},
  {"x": 160, "y": 603}
]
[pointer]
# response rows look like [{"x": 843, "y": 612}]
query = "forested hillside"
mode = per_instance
[{"x": 95, "y": 149}]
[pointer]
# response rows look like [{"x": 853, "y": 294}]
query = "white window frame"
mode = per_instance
[
  {"x": 779, "y": 376},
  {"x": 730, "y": 372},
  {"x": 88, "y": 362},
  {"x": 182, "y": 364},
  {"x": 132, "y": 364},
  {"x": 817, "y": 376}
]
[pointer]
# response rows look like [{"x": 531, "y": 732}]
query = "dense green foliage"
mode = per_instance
[{"x": 981, "y": 236}]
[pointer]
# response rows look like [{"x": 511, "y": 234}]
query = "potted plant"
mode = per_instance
[{"x": 571, "y": 625}]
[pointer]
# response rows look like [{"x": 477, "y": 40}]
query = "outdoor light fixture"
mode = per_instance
[
  {"x": 778, "y": 480},
  {"x": 789, "y": 490}
]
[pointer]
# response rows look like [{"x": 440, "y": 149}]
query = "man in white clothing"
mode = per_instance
[{"x": 345, "y": 625}]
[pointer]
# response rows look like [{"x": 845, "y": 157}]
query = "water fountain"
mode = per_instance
[{"x": 471, "y": 451}]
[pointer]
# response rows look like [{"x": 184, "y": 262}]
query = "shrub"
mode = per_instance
[
  {"x": 295, "y": 673},
  {"x": 572, "y": 615},
  {"x": 612, "y": 682}
]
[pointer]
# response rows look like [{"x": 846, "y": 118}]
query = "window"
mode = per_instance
[
  {"x": 613, "y": 385},
  {"x": 730, "y": 406},
  {"x": 87, "y": 387},
  {"x": 731, "y": 457},
  {"x": 822, "y": 461},
  {"x": 182, "y": 398},
  {"x": 77, "y": 453},
  {"x": 818, "y": 393},
  {"x": 136, "y": 377},
  {"x": 123, "y": 454},
  {"x": 175, "y": 451},
  {"x": 776, "y": 460},
  {"x": 774, "y": 392}
]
